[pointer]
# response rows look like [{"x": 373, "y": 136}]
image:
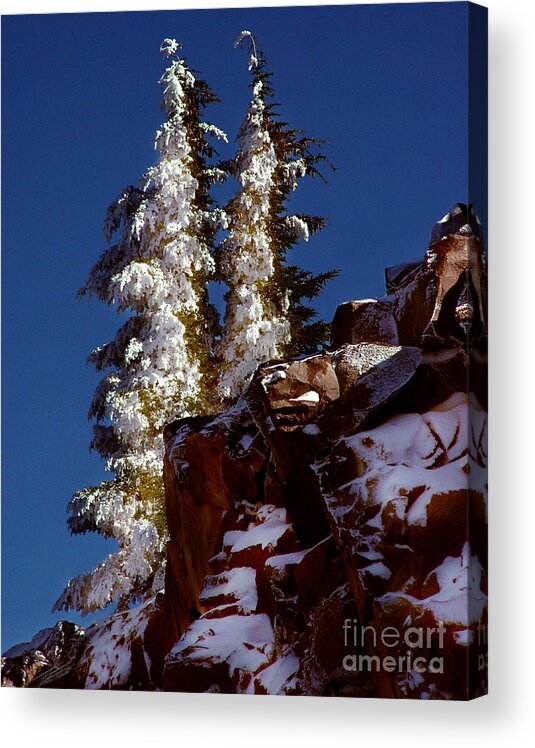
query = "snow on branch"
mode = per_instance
[{"x": 253, "y": 58}]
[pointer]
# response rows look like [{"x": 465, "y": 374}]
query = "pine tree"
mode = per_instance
[
  {"x": 266, "y": 315},
  {"x": 159, "y": 364}
]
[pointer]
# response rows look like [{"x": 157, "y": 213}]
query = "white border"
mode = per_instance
[{"x": 505, "y": 717}]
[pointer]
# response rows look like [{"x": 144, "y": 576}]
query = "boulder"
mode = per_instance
[{"x": 368, "y": 321}]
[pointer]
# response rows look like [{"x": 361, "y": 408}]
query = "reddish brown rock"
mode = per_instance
[
  {"x": 376, "y": 455},
  {"x": 48, "y": 657},
  {"x": 116, "y": 652},
  {"x": 442, "y": 302},
  {"x": 327, "y": 534},
  {"x": 402, "y": 524},
  {"x": 370, "y": 375},
  {"x": 209, "y": 464},
  {"x": 287, "y": 395},
  {"x": 286, "y": 400},
  {"x": 368, "y": 321}
]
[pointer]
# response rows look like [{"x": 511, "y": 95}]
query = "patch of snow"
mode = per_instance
[
  {"x": 273, "y": 523},
  {"x": 378, "y": 569},
  {"x": 273, "y": 377},
  {"x": 460, "y": 599},
  {"x": 464, "y": 637},
  {"x": 246, "y": 441},
  {"x": 108, "y": 648},
  {"x": 238, "y": 584},
  {"x": 287, "y": 559},
  {"x": 245, "y": 643},
  {"x": 281, "y": 676},
  {"x": 310, "y": 397}
]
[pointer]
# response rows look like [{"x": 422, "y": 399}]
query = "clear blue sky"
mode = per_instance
[{"x": 384, "y": 85}]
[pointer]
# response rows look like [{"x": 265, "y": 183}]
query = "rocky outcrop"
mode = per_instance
[
  {"x": 328, "y": 532},
  {"x": 52, "y": 650},
  {"x": 351, "y": 560},
  {"x": 122, "y": 652}
]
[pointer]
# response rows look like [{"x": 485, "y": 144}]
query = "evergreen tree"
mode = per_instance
[
  {"x": 159, "y": 362},
  {"x": 266, "y": 315}
]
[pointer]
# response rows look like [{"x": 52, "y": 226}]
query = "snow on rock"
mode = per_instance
[
  {"x": 240, "y": 644},
  {"x": 346, "y": 485},
  {"x": 371, "y": 374},
  {"x": 398, "y": 496},
  {"x": 211, "y": 473},
  {"x": 408, "y": 470},
  {"x": 231, "y": 638},
  {"x": 346, "y": 489},
  {"x": 270, "y": 528},
  {"x": 459, "y": 600},
  {"x": 49, "y": 656},
  {"x": 116, "y": 654},
  {"x": 310, "y": 397},
  {"x": 281, "y": 677},
  {"x": 233, "y": 588},
  {"x": 368, "y": 320}
]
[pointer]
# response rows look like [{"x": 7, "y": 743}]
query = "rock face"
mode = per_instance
[
  {"x": 122, "y": 652},
  {"x": 328, "y": 532},
  {"x": 50, "y": 650},
  {"x": 349, "y": 556}
]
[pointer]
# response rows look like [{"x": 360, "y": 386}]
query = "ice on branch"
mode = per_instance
[
  {"x": 159, "y": 364},
  {"x": 169, "y": 47},
  {"x": 253, "y": 56},
  {"x": 264, "y": 314}
]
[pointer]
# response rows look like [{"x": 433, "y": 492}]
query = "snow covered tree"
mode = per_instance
[
  {"x": 266, "y": 316},
  {"x": 159, "y": 364}
]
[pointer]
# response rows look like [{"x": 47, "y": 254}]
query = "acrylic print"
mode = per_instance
[{"x": 279, "y": 338}]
